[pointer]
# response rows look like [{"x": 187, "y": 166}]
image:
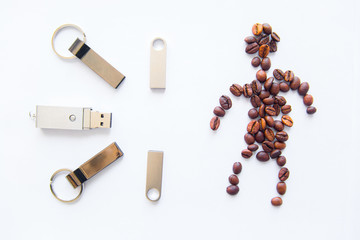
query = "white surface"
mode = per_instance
[{"x": 319, "y": 42}]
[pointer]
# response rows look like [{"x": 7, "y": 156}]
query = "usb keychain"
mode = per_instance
[
  {"x": 88, "y": 56},
  {"x": 78, "y": 177}
]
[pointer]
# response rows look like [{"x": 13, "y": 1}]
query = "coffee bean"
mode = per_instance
[
  {"x": 253, "y": 113},
  {"x": 269, "y": 134},
  {"x": 264, "y": 40},
  {"x": 267, "y": 146},
  {"x": 232, "y": 189},
  {"x": 266, "y": 64},
  {"x": 249, "y": 139},
  {"x": 284, "y": 174},
  {"x": 215, "y": 123},
  {"x": 269, "y": 121},
  {"x": 262, "y": 111},
  {"x": 262, "y": 156},
  {"x": 236, "y": 90},
  {"x": 246, "y": 153},
  {"x": 282, "y": 136},
  {"x": 278, "y": 125},
  {"x": 275, "y": 37},
  {"x": 286, "y": 109},
  {"x": 308, "y": 100},
  {"x": 276, "y": 201},
  {"x": 264, "y": 50},
  {"x": 289, "y": 76},
  {"x": 268, "y": 101},
  {"x": 225, "y": 102},
  {"x": 281, "y": 188},
  {"x": 219, "y": 111},
  {"x": 253, "y": 147},
  {"x": 264, "y": 94},
  {"x": 273, "y": 46},
  {"x": 279, "y": 145},
  {"x": 257, "y": 29},
  {"x": 259, "y": 137},
  {"x": 278, "y": 74},
  {"x": 295, "y": 83},
  {"x": 284, "y": 87},
  {"x": 255, "y": 62},
  {"x": 270, "y": 111},
  {"x": 255, "y": 101},
  {"x": 275, "y": 153},
  {"x": 268, "y": 83},
  {"x": 277, "y": 109},
  {"x": 250, "y": 39},
  {"x": 253, "y": 127},
  {"x": 281, "y": 161},
  {"x": 237, "y": 167},
  {"x": 256, "y": 87},
  {"x": 267, "y": 28},
  {"x": 311, "y": 110},
  {"x": 275, "y": 88},
  {"x": 287, "y": 121},
  {"x": 233, "y": 179},
  {"x": 260, "y": 37},
  {"x": 280, "y": 100},
  {"x": 261, "y": 76},
  {"x": 303, "y": 88},
  {"x": 247, "y": 90},
  {"x": 252, "y": 48}
]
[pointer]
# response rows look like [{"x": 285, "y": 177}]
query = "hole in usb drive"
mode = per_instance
[
  {"x": 102, "y": 115},
  {"x": 101, "y": 123}
]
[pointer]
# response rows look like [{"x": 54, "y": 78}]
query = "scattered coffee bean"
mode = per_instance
[
  {"x": 277, "y": 109},
  {"x": 261, "y": 76},
  {"x": 225, "y": 102},
  {"x": 268, "y": 83},
  {"x": 281, "y": 161},
  {"x": 281, "y": 188},
  {"x": 303, "y": 88},
  {"x": 289, "y": 76},
  {"x": 276, "y": 201},
  {"x": 294, "y": 85},
  {"x": 275, "y": 153},
  {"x": 278, "y": 125},
  {"x": 233, "y": 179},
  {"x": 308, "y": 100},
  {"x": 264, "y": 40},
  {"x": 267, "y": 28},
  {"x": 257, "y": 29},
  {"x": 255, "y": 101},
  {"x": 268, "y": 146},
  {"x": 262, "y": 156},
  {"x": 275, "y": 37},
  {"x": 215, "y": 123},
  {"x": 273, "y": 46},
  {"x": 249, "y": 139},
  {"x": 270, "y": 121},
  {"x": 247, "y": 90},
  {"x": 237, "y": 167},
  {"x": 250, "y": 39},
  {"x": 266, "y": 64},
  {"x": 253, "y": 147},
  {"x": 219, "y": 111},
  {"x": 232, "y": 189},
  {"x": 256, "y": 87},
  {"x": 269, "y": 101},
  {"x": 278, "y": 74},
  {"x": 311, "y": 110},
  {"x": 286, "y": 109},
  {"x": 280, "y": 100},
  {"x": 264, "y": 51},
  {"x": 287, "y": 121},
  {"x": 252, "y": 48},
  {"x": 269, "y": 134},
  {"x": 236, "y": 90},
  {"x": 264, "y": 94},
  {"x": 282, "y": 136},
  {"x": 284, "y": 174},
  {"x": 255, "y": 62},
  {"x": 275, "y": 88},
  {"x": 259, "y": 137},
  {"x": 262, "y": 112},
  {"x": 279, "y": 145},
  {"x": 270, "y": 111},
  {"x": 253, "y": 127},
  {"x": 246, "y": 153},
  {"x": 253, "y": 113},
  {"x": 262, "y": 123},
  {"x": 284, "y": 87}
]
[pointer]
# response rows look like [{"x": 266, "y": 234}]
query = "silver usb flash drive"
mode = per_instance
[{"x": 70, "y": 118}]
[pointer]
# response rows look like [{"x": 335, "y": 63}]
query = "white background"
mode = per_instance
[{"x": 319, "y": 42}]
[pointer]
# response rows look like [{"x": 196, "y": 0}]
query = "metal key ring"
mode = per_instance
[
  {"x": 58, "y": 30},
  {"x": 53, "y": 192}
]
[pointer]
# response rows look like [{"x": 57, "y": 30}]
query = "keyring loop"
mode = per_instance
[
  {"x": 58, "y": 30},
  {"x": 53, "y": 192}
]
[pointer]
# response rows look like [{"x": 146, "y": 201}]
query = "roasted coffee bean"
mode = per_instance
[
  {"x": 287, "y": 121},
  {"x": 266, "y": 64},
  {"x": 246, "y": 153},
  {"x": 308, "y": 100},
  {"x": 250, "y": 39},
  {"x": 236, "y": 89},
  {"x": 262, "y": 123},
  {"x": 280, "y": 100},
  {"x": 255, "y": 101},
  {"x": 264, "y": 50},
  {"x": 284, "y": 174},
  {"x": 256, "y": 87},
  {"x": 268, "y": 83},
  {"x": 277, "y": 109},
  {"x": 275, "y": 88},
  {"x": 294, "y": 85},
  {"x": 281, "y": 161},
  {"x": 275, "y": 153},
  {"x": 252, "y": 48},
  {"x": 278, "y": 125},
  {"x": 275, "y": 37},
  {"x": 225, "y": 102},
  {"x": 257, "y": 29},
  {"x": 269, "y": 134},
  {"x": 281, "y": 188},
  {"x": 249, "y": 139},
  {"x": 253, "y": 113},
  {"x": 270, "y": 111},
  {"x": 261, "y": 75},
  {"x": 253, "y": 147},
  {"x": 268, "y": 146},
  {"x": 255, "y": 62},
  {"x": 284, "y": 87},
  {"x": 264, "y": 94},
  {"x": 267, "y": 29},
  {"x": 262, "y": 156},
  {"x": 282, "y": 136},
  {"x": 247, "y": 90},
  {"x": 273, "y": 46},
  {"x": 232, "y": 189},
  {"x": 311, "y": 110},
  {"x": 278, "y": 74},
  {"x": 269, "y": 101},
  {"x": 219, "y": 111},
  {"x": 289, "y": 76},
  {"x": 269, "y": 121},
  {"x": 264, "y": 40},
  {"x": 215, "y": 123},
  {"x": 259, "y": 37},
  {"x": 237, "y": 167},
  {"x": 262, "y": 111},
  {"x": 303, "y": 88},
  {"x": 286, "y": 109},
  {"x": 276, "y": 201},
  {"x": 259, "y": 137},
  {"x": 233, "y": 179},
  {"x": 253, "y": 127},
  {"x": 279, "y": 145}
]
